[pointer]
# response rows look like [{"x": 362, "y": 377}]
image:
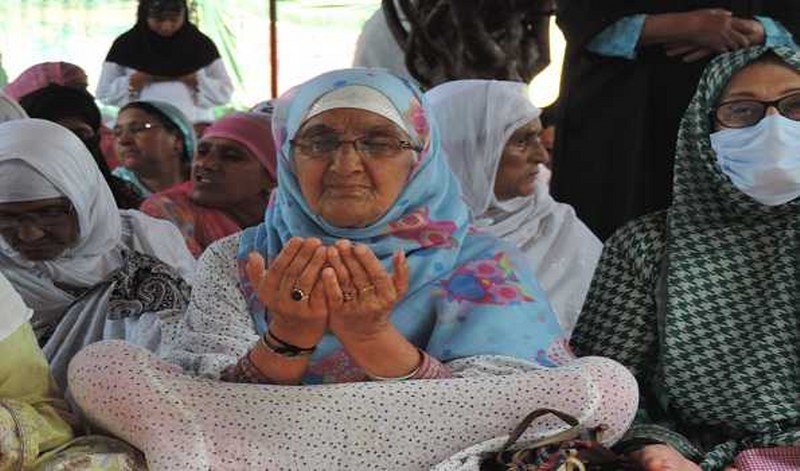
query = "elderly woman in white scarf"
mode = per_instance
[
  {"x": 75, "y": 259},
  {"x": 491, "y": 133}
]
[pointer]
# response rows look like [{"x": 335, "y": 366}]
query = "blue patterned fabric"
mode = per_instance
[{"x": 469, "y": 293}]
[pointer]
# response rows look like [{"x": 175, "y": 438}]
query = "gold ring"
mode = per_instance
[{"x": 366, "y": 289}]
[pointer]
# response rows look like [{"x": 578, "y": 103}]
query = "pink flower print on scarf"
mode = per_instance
[
  {"x": 417, "y": 226},
  {"x": 557, "y": 354},
  {"x": 488, "y": 281}
]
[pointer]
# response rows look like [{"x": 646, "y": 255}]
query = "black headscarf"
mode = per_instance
[
  {"x": 56, "y": 102},
  {"x": 140, "y": 48}
]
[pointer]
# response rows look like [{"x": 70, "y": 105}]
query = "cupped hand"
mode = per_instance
[
  {"x": 190, "y": 80},
  {"x": 663, "y": 458},
  {"x": 360, "y": 293},
  {"x": 296, "y": 270},
  {"x": 138, "y": 80}
]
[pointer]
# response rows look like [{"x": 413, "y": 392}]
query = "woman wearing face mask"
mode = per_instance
[
  {"x": 165, "y": 57},
  {"x": 700, "y": 301},
  {"x": 233, "y": 172},
  {"x": 76, "y": 110},
  {"x": 492, "y": 138}
]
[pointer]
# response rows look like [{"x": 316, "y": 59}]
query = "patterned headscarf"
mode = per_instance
[
  {"x": 730, "y": 354},
  {"x": 467, "y": 294}
]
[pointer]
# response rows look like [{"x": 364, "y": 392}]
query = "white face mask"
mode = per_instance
[{"x": 763, "y": 161}]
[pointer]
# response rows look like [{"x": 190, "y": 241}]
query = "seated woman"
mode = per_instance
[
  {"x": 699, "y": 301},
  {"x": 78, "y": 261},
  {"x": 76, "y": 110},
  {"x": 491, "y": 133},
  {"x": 374, "y": 276},
  {"x": 155, "y": 144},
  {"x": 165, "y": 57},
  {"x": 233, "y": 173},
  {"x": 36, "y": 425},
  {"x": 43, "y": 74}
]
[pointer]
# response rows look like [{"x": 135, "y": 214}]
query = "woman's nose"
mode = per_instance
[
  {"x": 346, "y": 159},
  {"x": 771, "y": 110}
]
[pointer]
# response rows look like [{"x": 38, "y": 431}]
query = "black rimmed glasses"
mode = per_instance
[
  {"x": 45, "y": 218},
  {"x": 745, "y": 113},
  {"x": 134, "y": 128},
  {"x": 371, "y": 147}
]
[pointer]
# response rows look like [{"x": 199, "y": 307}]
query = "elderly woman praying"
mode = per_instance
[{"x": 365, "y": 271}]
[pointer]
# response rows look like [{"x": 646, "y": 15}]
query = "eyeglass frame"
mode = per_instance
[
  {"x": 766, "y": 104},
  {"x": 36, "y": 220},
  {"x": 119, "y": 131},
  {"x": 402, "y": 145}
]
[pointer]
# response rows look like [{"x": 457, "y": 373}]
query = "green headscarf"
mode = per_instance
[
  {"x": 730, "y": 353},
  {"x": 171, "y": 116}
]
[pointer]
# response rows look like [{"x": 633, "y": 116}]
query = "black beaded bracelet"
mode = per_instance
[{"x": 283, "y": 348}]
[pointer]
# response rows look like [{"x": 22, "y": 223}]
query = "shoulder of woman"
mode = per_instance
[
  {"x": 220, "y": 258},
  {"x": 141, "y": 269},
  {"x": 644, "y": 239}
]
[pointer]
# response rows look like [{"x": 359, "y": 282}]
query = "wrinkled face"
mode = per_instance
[
  {"x": 143, "y": 144},
  {"x": 520, "y": 161},
  {"x": 39, "y": 230},
  {"x": 345, "y": 187},
  {"x": 766, "y": 81},
  {"x": 225, "y": 173},
  {"x": 166, "y": 24}
]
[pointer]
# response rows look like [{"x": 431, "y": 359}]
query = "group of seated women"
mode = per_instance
[{"x": 384, "y": 282}]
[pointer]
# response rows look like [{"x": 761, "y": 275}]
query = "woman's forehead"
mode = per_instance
[
  {"x": 349, "y": 119},
  {"x": 765, "y": 80}
]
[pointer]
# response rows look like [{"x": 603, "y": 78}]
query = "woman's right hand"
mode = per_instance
[
  {"x": 663, "y": 458},
  {"x": 299, "y": 265},
  {"x": 138, "y": 80},
  {"x": 716, "y": 30}
]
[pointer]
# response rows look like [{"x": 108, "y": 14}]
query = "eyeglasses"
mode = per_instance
[
  {"x": 526, "y": 141},
  {"x": 47, "y": 218},
  {"x": 746, "y": 113},
  {"x": 134, "y": 128},
  {"x": 367, "y": 147}
]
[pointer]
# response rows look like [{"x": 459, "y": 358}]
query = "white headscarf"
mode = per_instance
[
  {"x": 10, "y": 109},
  {"x": 33, "y": 148},
  {"x": 477, "y": 118},
  {"x": 13, "y": 312}
]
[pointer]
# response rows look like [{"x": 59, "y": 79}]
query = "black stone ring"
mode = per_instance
[{"x": 298, "y": 294}]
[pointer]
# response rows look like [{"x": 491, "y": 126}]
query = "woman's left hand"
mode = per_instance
[{"x": 360, "y": 293}]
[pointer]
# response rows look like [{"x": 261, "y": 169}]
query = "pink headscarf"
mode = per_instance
[
  {"x": 253, "y": 130},
  {"x": 41, "y": 75}
]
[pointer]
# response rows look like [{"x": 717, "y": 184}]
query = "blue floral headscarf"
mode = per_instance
[{"x": 469, "y": 293}]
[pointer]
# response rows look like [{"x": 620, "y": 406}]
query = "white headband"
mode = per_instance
[{"x": 359, "y": 97}]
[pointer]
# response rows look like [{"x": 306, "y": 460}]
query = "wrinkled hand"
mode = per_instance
[
  {"x": 719, "y": 31},
  {"x": 138, "y": 80},
  {"x": 360, "y": 293},
  {"x": 663, "y": 458},
  {"x": 299, "y": 265}
]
